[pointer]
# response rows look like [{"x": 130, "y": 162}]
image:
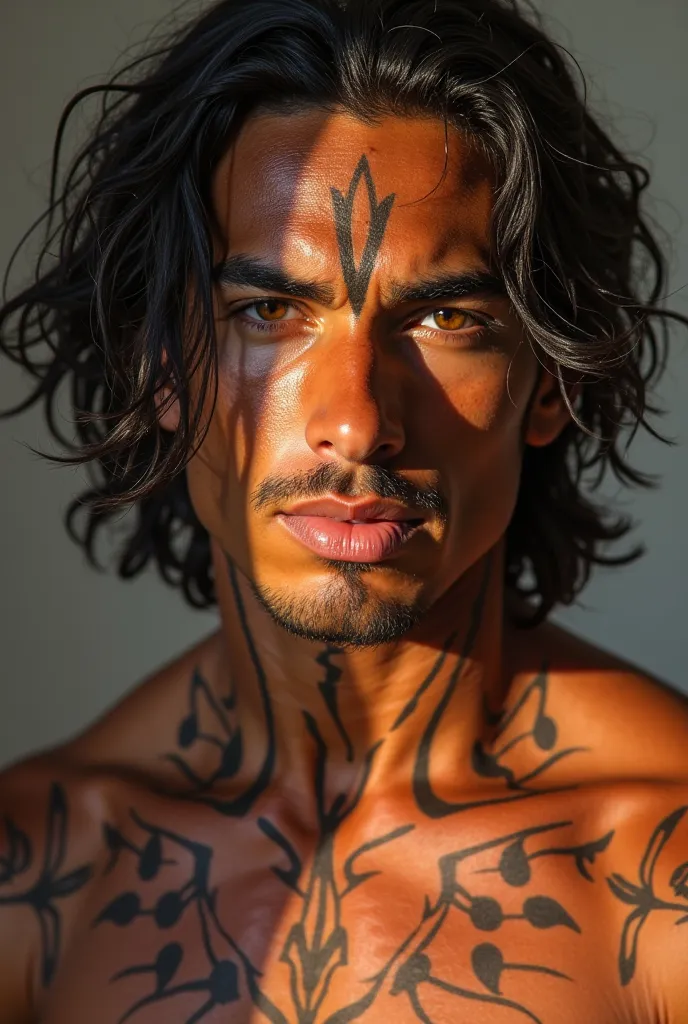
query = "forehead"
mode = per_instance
[{"x": 273, "y": 190}]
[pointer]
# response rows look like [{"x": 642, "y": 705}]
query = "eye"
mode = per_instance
[
  {"x": 269, "y": 311},
  {"x": 451, "y": 319}
]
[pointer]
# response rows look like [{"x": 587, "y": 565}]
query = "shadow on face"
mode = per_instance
[{"x": 367, "y": 353}]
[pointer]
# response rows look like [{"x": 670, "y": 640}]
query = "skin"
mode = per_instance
[{"x": 464, "y": 822}]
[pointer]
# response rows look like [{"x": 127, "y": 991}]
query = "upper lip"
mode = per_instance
[{"x": 374, "y": 509}]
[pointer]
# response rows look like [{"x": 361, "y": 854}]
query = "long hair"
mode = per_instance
[{"x": 130, "y": 223}]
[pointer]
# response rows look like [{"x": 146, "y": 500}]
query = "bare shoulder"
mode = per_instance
[
  {"x": 48, "y": 845},
  {"x": 53, "y": 807},
  {"x": 646, "y": 880},
  {"x": 632, "y": 725},
  {"x": 129, "y": 740}
]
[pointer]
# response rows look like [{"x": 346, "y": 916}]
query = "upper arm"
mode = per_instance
[
  {"x": 41, "y": 874},
  {"x": 650, "y": 883}
]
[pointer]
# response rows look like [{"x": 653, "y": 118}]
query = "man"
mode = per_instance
[{"x": 346, "y": 295}]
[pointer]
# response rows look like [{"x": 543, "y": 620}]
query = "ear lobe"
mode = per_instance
[
  {"x": 166, "y": 401},
  {"x": 549, "y": 413},
  {"x": 167, "y": 407}
]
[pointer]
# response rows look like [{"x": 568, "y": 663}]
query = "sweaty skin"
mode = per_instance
[{"x": 368, "y": 794}]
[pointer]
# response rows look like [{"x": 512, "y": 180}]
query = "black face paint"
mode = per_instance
[{"x": 358, "y": 278}]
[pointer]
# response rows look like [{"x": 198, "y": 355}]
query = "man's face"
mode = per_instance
[{"x": 366, "y": 445}]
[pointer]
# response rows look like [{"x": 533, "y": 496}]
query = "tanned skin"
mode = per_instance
[{"x": 464, "y": 822}]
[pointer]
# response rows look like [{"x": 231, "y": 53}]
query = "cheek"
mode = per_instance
[
  {"x": 250, "y": 432},
  {"x": 481, "y": 397},
  {"x": 480, "y": 425}
]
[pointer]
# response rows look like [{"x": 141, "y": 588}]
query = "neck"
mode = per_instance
[{"x": 318, "y": 721}]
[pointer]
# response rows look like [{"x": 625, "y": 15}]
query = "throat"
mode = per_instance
[{"x": 321, "y": 727}]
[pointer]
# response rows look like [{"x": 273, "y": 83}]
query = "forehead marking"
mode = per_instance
[{"x": 358, "y": 278}]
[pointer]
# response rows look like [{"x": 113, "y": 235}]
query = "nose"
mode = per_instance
[{"x": 353, "y": 404}]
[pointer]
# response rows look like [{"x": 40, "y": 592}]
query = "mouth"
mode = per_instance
[{"x": 348, "y": 531}]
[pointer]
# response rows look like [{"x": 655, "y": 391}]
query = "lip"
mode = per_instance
[
  {"x": 340, "y": 541},
  {"x": 379, "y": 528},
  {"x": 376, "y": 509}
]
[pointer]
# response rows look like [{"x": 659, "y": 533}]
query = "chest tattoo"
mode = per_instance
[{"x": 316, "y": 950}]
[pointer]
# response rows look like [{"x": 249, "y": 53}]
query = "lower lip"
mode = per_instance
[{"x": 349, "y": 542}]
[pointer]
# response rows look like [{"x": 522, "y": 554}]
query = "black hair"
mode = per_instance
[{"x": 130, "y": 224}]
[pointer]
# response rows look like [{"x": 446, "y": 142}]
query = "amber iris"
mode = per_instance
[
  {"x": 450, "y": 319},
  {"x": 271, "y": 309}
]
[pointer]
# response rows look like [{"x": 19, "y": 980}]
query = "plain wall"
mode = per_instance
[{"x": 73, "y": 640}]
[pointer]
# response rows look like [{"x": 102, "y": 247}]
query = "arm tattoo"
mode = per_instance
[
  {"x": 643, "y": 898},
  {"x": 53, "y": 884},
  {"x": 358, "y": 278}
]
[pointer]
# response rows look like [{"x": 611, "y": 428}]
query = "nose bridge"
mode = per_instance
[{"x": 354, "y": 407}]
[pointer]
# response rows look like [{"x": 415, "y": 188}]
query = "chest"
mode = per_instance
[{"x": 501, "y": 919}]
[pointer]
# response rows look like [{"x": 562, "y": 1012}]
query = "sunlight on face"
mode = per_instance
[{"x": 366, "y": 355}]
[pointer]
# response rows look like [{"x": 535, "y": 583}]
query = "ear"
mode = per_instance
[
  {"x": 167, "y": 406},
  {"x": 548, "y": 413}
]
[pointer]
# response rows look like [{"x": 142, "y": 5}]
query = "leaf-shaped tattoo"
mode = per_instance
[
  {"x": 358, "y": 277},
  {"x": 642, "y": 896},
  {"x": 51, "y": 885}
]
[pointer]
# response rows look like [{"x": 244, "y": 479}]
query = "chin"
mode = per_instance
[{"x": 344, "y": 611}]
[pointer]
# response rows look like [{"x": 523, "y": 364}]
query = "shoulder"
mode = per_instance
[
  {"x": 53, "y": 808},
  {"x": 633, "y": 726},
  {"x": 646, "y": 878},
  {"x": 49, "y": 839},
  {"x": 620, "y": 739},
  {"x": 129, "y": 740}
]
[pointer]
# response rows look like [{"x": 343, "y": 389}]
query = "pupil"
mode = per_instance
[
  {"x": 271, "y": 309},
  {"x": 448, "y": 317}
]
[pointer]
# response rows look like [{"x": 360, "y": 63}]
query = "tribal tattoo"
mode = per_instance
[
  {"x": 229, "y": 743},
  {"x": 414, "y": 974},
  {"x": 316, "y": 948},
  {"x": 542, "y": 732},
  {"x": 357, "y": 278},
  {"x": 54, "y": 883},
  {"x": 642, "y": 896}
]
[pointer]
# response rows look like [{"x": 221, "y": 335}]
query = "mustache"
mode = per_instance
[{"x": 332, "y": 479}]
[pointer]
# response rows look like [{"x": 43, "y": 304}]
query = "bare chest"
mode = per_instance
[{"x": 495, "y": 919}]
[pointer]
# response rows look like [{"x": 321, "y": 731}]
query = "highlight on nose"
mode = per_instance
[{"x": 354, "y": 431}]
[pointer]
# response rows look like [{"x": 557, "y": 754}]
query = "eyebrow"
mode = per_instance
[
  {"x": 448, "y": 286},
  {"x": 250, "y": 272}
]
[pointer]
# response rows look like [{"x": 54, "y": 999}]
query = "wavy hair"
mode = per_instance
[{"x": 130, "y": 223}]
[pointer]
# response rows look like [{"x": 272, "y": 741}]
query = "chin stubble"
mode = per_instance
[{"x": 344, "y": 613}]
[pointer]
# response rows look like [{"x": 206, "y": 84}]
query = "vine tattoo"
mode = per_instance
[
  {"x": 543, "y": 733},
  {"x": 221, "y": 985},
  {"x": 487, "y": 914},
  {"x": 358, "y": 278},
  {"x": 53, "y": 883},
  {"x": 229, "y": 744},
  {"x": 316, "y": 947},
  {"x": 643, "y": 898}
]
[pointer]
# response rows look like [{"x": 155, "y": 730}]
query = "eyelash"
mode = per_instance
[{"x": 482, "y": 321}]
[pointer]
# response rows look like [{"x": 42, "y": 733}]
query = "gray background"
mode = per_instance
[{"x": 72, "y": 640}]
